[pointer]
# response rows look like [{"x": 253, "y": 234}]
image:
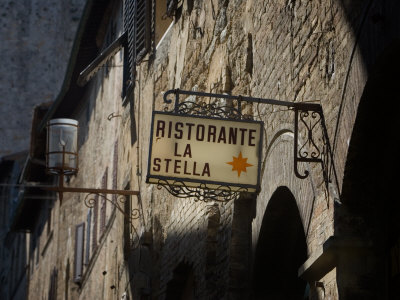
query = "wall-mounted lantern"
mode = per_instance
[
  {"x": 62, "y": 147},
  {"x": 62, "y": 160}
]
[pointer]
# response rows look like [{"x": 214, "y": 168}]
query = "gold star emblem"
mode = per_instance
[{"x": 239, "y": 164}]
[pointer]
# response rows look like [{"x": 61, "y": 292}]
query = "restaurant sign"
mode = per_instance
[{"x": 205, "y": 152}]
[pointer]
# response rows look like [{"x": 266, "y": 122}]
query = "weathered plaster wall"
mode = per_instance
[{"x": 99, "y": 150}]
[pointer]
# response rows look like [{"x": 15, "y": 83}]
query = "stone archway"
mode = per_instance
[{"x": 280, "y": 251}]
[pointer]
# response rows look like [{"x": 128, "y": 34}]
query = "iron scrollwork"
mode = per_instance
[
  {"x": 201, "y": 193},
  {"x": 311, "y": 139},
  {"x": 208, "y": 109},
  {"x": 188, "y": 107},
  {"x": 310, "y": 149},
  {"x": 118, "y": 201}
]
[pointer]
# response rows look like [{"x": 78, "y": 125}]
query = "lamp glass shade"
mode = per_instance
[{"x": 62, "y": 146}]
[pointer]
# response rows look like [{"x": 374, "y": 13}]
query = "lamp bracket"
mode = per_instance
[
  {"x": 94, "y": 195},
  {"x": 118, "y": 201}
]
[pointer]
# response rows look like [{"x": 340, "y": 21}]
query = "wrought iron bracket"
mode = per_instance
[
  {"x": 93, "y": 195},
  {"x": 311, "y": 141},
  {"x": 118, "y": 201},
  {"x": 60, "y": 189}
]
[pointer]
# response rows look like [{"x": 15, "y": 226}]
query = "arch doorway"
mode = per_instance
[{"x": 281, "y": 249}]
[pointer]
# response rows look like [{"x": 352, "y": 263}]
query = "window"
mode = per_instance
[
  {"x": 137, "y": 25},
  {"x": 103, "y": 209},
  {"x": 128, "y": 240},
  {"x": 115, "y": 170},
  {"x": 53, "y": 285},
  {"x": 95, "y": 221},
  {"x": 79, "y": 241},
  {"x": 88, "y": 228},
  {"x": 37, "y": 238},
  {"x": 49, "y": 216}
]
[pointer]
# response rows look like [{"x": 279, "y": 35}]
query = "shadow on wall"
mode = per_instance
[
  {"x": 367, "y": 222},
  {"x": 369, "y": 218},
  {"x": 174, "y": 266},
  {"x": 88, "y": 112}
]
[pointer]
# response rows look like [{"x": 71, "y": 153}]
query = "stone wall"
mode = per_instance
[
  {"x": 298, "y": 51},
  {"x": 36, "y": 40}
]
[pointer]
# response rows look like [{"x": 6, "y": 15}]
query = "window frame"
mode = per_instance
[{"x": 79, "y": 252}]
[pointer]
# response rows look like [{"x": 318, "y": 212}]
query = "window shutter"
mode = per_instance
[
  {"x": 126, "y": 77},
  {"x": 129, "y": 25},
  {"x": 137, "y": 24},
  {"x": 95, "y": 221},
  {"x": 103, "y": 209},
  {"x": 127, "y": 226},
  {"x": 79, "y": 240},
  {"x": 142, "y": 28},
  {"x": 115, "y": 170},
  {"x": 89, "y": 224}
]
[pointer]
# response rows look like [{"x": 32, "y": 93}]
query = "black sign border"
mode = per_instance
[{"x": 257, "y": 187}]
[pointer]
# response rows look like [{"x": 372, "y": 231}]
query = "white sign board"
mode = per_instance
[{"x": 202, "y": 150}]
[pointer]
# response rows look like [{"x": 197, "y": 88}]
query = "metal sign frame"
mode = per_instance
[
  {"x": 311, "y": 140},
  {"x": 185, "y": 183}
]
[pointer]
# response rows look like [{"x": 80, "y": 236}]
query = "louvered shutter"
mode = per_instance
[
  {"x": 88, "y": 228},
  {"x": 79, "y": 240},
  {"x": 103, "y": 209},
  {"x": 142, "y": 28},
  {"x": 95, "y": 222},
  {"x": 129, "y": 51},
  {"x": 115, "y": 170},
  {"x": 137, "y": 23}
]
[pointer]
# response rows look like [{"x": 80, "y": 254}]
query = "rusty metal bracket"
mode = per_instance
[{"x": 93, "y": 196}]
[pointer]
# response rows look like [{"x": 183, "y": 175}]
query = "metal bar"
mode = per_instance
[
  {"x": 101, "y": 59},
  {"x": 88, "y": 190},
  {"x": 305, "y": 106},
  {"x": 242, "y": 98},
  {"x": 305, "y": 159}
]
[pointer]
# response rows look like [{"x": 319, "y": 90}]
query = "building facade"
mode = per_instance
[
  {"x": 36, "y": 40},
  {"x": 324, "y": 224}
]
